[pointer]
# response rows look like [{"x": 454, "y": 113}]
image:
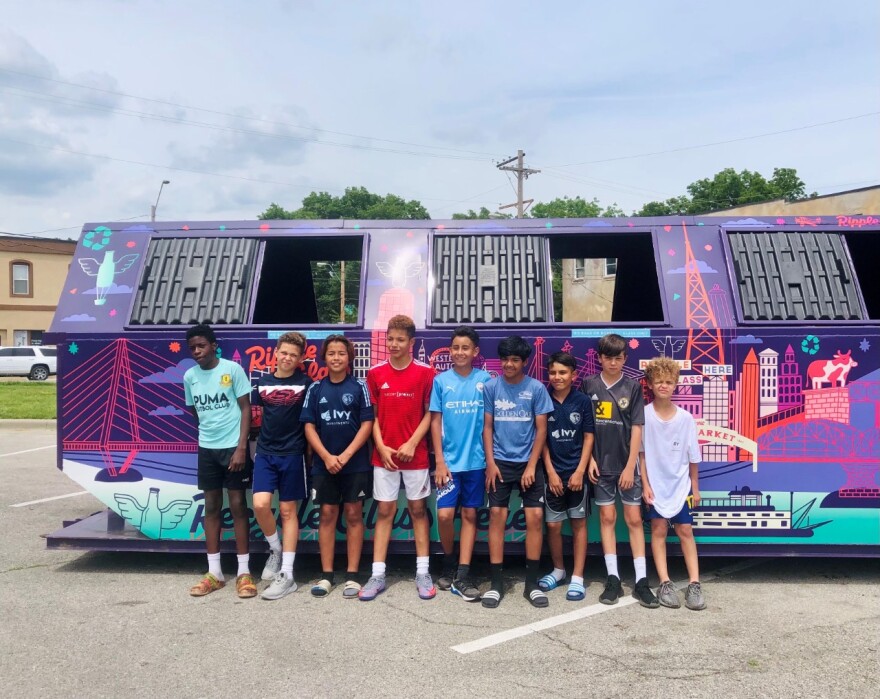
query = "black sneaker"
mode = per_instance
[
  {"x": 644, "y": 594},
  {"x": 612, "y": 590},
  {"x": 466, "y": 589},
  {"x": 444, "y": 582}
]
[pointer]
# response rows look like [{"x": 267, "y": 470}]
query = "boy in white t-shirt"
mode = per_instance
[{"x": 670, "y": 461}]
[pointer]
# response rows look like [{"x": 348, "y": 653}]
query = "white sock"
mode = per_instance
[
  {"x": 379, "y": 569},
  {"x": 287, "y": 563},
  {"x": 274, "y": 542},
  {"x": 559, "y": 574},
  {"x": 577, "y": 579},
  {"x": 422, "y": 564},
  {"x": 611, "y": 564},
  {"x": 244, "y": 564},
  {"x": 214, "y": 566},
  {"x": 641, "y": 568}
]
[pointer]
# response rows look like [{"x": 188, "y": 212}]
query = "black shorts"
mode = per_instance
[
  {"x": 572, "y": 504},
  {"x": 511, "y": 472},
  {"x": 342, "y": 487},
  {"x": 214, "y": 474}
]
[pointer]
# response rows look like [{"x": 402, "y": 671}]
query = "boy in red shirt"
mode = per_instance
[{"x": 400, "y": 390}]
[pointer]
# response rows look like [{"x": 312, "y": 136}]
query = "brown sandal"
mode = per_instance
[
  {"x": 206, "y": 586},
  {"x": 245, "y": 586}
]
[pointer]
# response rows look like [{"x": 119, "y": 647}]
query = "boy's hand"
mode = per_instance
[
  {"x": 386, "y": 454},
  {"x": 647, "y": 494},
  {"x": 406, "y": 452},
  {"x": 528, "y": 478},
  {"x": 593, "y": 472},
  {"x": 627, "y": 478},
  {"x": 576, "y": 482},
  {"x": 238, "y": 460},
  {"x": 441, "y": 474},
  {"x": 331, "y": 463},
  {"x": 696, "y": 496},
  {"x": 493, "y": 474},
  {"x": 554, "y": 482}
]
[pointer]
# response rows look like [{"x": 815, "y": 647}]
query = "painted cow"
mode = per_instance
[{"x": 829, "y": 371}]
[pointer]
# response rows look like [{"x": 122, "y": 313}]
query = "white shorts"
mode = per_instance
[{"x": 386, "y": 484}]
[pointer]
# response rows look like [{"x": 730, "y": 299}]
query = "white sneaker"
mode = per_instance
[
  {"x": 273, "y": 565},
  {"x": 281, "y": 586}
]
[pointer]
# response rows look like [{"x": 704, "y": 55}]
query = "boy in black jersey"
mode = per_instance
[{"x": 279, "y": 463}]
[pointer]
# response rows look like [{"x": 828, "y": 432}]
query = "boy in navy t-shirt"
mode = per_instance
[
  {"x": 338, "y": 417},
  {"x": 514, "y": 432},
  {"x": 566, "y": 494},
  {"x": 279, "y": 463}
]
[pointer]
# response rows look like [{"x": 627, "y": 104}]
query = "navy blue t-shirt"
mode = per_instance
[
  {"x": 337, "y": 411},
  {"x": 566, "y": 426},
  {"x": 281, "y": 431}
]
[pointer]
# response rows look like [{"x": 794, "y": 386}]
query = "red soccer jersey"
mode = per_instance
[{"x": 400, "y": 397}]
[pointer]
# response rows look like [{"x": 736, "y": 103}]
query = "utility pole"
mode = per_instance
[
  {"x": 522, "y": 174},
  {"x": 341, "y": 291}
]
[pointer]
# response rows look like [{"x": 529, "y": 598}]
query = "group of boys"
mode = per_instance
[{"x": 489, "y": 435}]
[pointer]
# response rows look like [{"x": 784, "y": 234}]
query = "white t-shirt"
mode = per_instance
[{"x": 670, "y": 447}]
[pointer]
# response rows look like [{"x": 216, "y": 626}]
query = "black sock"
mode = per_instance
[
  {"x": 497, "y": 577},
  {"x": 328, "y": 576},
  {"x": 532, "y": 568},
  {"x": 450, "y": 560},
  {"x": 463, "y": 571},
  {"x": 353, "y": 575}
]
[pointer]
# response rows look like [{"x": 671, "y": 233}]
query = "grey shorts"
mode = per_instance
[
  {"x": 606, "y": 490},
  {"x": 572, "y": 504}
]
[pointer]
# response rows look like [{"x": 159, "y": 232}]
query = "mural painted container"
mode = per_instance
[{"x": 775, "y": 323}]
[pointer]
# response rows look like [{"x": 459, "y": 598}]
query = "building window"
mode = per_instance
[
  {"x": 610, "y": 266},
  {"x": 579, "y": 268},
  {"x": 21, "y": 274}
]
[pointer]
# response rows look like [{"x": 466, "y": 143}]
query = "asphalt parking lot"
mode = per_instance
[{"x": 110, "y": 624}]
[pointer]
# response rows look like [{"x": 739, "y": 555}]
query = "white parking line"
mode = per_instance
[
  {"x": 520, "y": 631},
  {"x": 27, "y": 451},
  {"x": 56, "y": 497}
]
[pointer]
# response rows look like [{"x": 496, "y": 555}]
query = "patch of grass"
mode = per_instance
[{"x": 24, "y": 400}]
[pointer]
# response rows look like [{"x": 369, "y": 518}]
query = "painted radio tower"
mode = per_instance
[{"x": 704, "y": 344}]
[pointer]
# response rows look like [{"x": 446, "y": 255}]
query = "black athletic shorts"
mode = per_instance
[
  {"x": 214, "y": 473},
  {"x": 511, "y": 472},
  {"x": 342, "y": 487}
]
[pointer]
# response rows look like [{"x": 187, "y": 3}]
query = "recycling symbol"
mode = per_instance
[
  {"x": 810, "y": 344},
  {"x": 104, "y": 233}
]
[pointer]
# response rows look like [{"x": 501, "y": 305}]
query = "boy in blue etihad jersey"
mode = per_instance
[
  {"x": 457, "y": 432},
  {"x": 338, "y": 417},
  {"x": 218, "y": 393},
  {"x": 569, "y": 445},
  {"x": 514, "y": 432}
]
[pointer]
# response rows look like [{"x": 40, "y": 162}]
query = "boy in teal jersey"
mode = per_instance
[
  {"x": 218, "y": 393},
  {"x": 457, "y": 431}
]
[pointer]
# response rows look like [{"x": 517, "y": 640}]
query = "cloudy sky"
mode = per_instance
[{"x": 240, "y": 104}]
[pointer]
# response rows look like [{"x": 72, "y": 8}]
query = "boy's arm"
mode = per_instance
[
  {"x": 385, "y": 453},
  {"x": 576, "y": 482},
  {"x": 493, "y": 473},
  {"x": 363, "y": 434},
  {"x": 407, "y": 450},
  {"x": 695, "y": 482},
  {"x": 528, "y": 476},
  {"x": 554, "y": 482},
  {"x": 441, "y": 473},
  {"x": 239, "y": 456},
  {"x": 318, "y": 447},
  {"x": 647, "y": 490},
  {"x": 627, "y": 478}
]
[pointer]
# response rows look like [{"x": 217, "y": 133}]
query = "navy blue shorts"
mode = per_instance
[
  {"x": 468, "y": 490},
  {"x": 684, "y": 516},
  {"x": 284, "y": 473},
  {"x": 213, "y": 470}
]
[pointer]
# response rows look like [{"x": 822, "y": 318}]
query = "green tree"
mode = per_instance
[
  {"x": 565, "y": 207},
  {"x": 356, "y": 203}
]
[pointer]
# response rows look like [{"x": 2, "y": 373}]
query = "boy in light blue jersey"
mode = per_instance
[{"x": 457, "y": 432}]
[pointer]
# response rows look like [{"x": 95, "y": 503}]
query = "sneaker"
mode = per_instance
[
  {"x": 374, "y": 587},
  {"x": 444, "y": 582},
  {"x": 466, "y": 589},
  {"x": 693, "y": 597},
  {"x": 273, "y": 565},
  {"x": 668, "y": 595},
  {"x": 644, "y": 595},
  {"x": 612, "y": 590},
  {"x": 425, "y": 586},
  {"x": 281, "y": 585}
]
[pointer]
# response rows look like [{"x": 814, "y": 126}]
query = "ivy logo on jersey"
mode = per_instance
[
  {"x": 575, "y": 418},
  {"x": 325, "y": 416},
  {"x": 347, "y": 398},
  {"x": 226, "y": 380},
  {"x": 555, "y": 434},
  {"x": 603, "y": 410},
  {"x": 623, "y": 403}
]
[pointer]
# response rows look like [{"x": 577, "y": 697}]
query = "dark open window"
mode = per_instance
[
  {"x": 608, "y": 277},
  {"x": 794, "y": 276},
  {"x": 312, "y": 281},
  {"x": 864, "y": 254},
  {"x": 489, "y": 279}
]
